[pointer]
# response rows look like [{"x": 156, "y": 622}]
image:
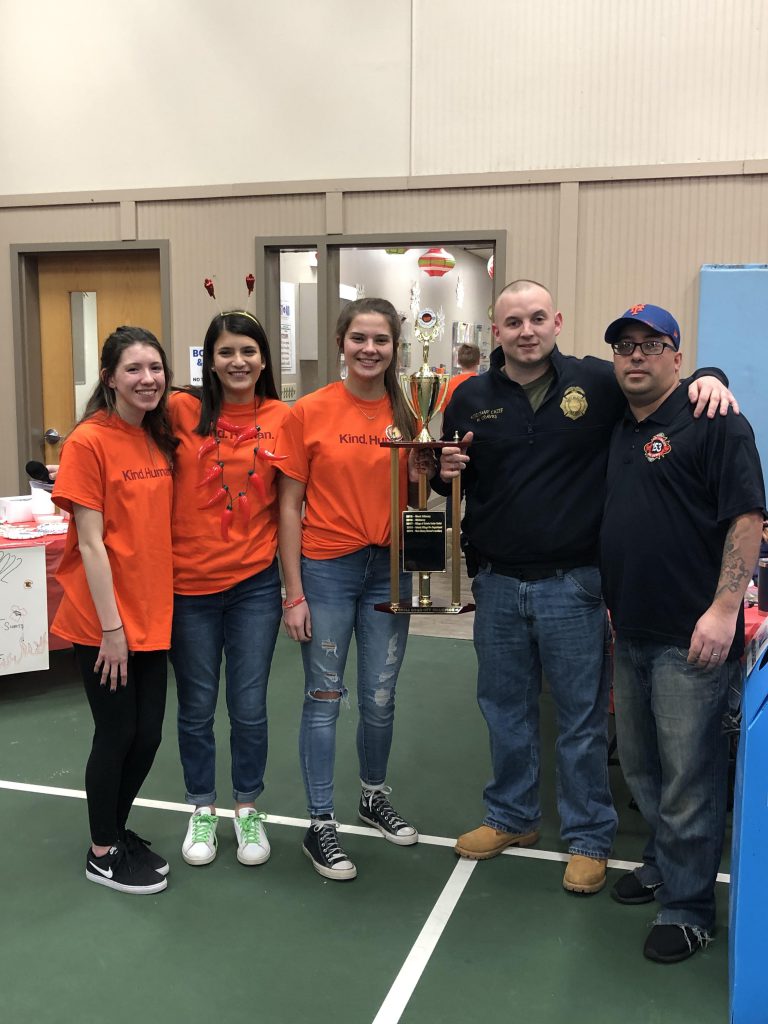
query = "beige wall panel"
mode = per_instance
[
  {"x": 501, "y": 85},
  {"x": 215, "y": 238},
  {"x": 529, "y": 214},
  {"x": 646, "y": 242}
]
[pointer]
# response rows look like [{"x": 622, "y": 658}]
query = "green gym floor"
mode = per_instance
[{"x": 419, "y": 937}]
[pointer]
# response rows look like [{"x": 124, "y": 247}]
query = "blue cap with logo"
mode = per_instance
[{"x": 652, "y": 316}]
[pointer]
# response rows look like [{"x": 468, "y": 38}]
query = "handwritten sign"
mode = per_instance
[{"x": 23, "y": 610}]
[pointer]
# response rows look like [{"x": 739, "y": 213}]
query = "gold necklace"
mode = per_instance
[{"x": 360, "y": 409}]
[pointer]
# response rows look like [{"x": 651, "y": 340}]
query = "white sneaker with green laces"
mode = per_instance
[
  {"x": 199, "y": 846},
  {"x": 252, "y": 843}
]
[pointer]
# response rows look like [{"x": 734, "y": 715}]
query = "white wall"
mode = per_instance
[
  {"x": 140, "y": 94},
  {"x": 185, "y": 92}
]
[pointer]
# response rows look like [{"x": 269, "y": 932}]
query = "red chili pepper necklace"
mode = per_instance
[{"x": 215, "y": 474}]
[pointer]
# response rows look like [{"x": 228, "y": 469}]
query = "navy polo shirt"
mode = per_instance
[
  {"x": 535, "y": 482},
  {"x": 674, "y": 484}
]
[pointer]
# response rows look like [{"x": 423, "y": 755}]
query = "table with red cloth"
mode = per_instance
[
  {"x": 753, "y": 619},
  {"x": 54, "y": 549}
]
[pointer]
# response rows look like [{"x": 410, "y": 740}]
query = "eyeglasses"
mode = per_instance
[{"x": 651, "y": 347}]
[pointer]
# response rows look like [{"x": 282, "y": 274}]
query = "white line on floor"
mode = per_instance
[
  {"x": 408, "y": 977},
  {"x": 357, "y": 830}
]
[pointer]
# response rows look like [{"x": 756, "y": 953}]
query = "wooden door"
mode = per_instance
[{"x": 127, "y": 289}]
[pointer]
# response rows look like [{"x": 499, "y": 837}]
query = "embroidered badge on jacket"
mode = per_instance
[
  {"x": 657, "y": 447},
  {"x": 574, "y": 403}
]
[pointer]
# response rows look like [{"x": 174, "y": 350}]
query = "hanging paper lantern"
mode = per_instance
[
  {"x": 396, "y": 252},
  {"x": 489, "y": 268},
  {"x": 436, "y": 262}
]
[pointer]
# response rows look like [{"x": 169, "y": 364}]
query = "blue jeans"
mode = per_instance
[
  {"x": 341, "y": 593},
  {"x": 674, "y": 755},
  {"x": 241, "y": 623},
  {"x": 559, "y": 625}
]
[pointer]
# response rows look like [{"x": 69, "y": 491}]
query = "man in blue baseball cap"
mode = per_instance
[
  {"x": 658, "y": 319},
  {"x": 680, "y": 534}
]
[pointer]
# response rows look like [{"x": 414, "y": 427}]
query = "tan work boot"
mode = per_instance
[
  {"x": 486, "y": 842},
  {"x": 584, "y": 874}
]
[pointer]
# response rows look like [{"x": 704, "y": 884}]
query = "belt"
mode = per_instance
[{"x": 527, "y": 573}]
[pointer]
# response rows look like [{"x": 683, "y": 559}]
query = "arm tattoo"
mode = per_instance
[{"x": 734, "y": 572}]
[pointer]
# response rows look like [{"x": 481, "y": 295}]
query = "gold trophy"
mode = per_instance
[{"x": 422, "y": 531}]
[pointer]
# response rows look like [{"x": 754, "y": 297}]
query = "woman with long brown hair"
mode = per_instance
[{"x": 335, "y": 558}]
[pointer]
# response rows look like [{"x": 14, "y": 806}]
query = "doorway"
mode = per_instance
[
  {"x": 309, "y": 358},
  {"x": 67, "y": 302}
]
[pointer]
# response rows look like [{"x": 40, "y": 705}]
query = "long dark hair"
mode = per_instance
[
  {"x": 400, "y": 411},
  {"x": 210, "y": 393},
  {"x": 103, "y": 397}
]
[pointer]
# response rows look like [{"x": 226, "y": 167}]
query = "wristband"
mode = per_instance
[
  {"x": 113, "y": 630},
  {"x": 292, "y": 604}
]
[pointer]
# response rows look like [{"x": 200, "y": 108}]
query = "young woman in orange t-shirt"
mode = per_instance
[
  {"x": 115, "y": 480},
  {"x": 335, "y": 561},
  {"x": 226, "y": 581}
]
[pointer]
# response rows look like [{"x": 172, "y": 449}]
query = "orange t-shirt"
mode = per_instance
[
  {"x": 332, "y": 443},
  {"x": 203, "y": 562},
  {"x": 455, "y": 381},
  {"x": 114, "y": 468}
]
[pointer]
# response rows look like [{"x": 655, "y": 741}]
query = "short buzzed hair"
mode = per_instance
[{"x": 523, "y": 285}]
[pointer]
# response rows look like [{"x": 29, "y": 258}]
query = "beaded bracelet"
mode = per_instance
[{"x": 292, "y": 604}]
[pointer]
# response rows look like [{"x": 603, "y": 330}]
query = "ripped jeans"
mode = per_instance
[{"x": 341, "y": 593}]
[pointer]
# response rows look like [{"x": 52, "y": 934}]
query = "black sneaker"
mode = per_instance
[
  {"x": 139, "y": 849},
  {"x": 671, "y": 943},
  {"x": 118, "y": 870},
  {"x": 376, "y": 810},
  {"x": 629, "y": 889},
  {"x": 323, "y": 849}
]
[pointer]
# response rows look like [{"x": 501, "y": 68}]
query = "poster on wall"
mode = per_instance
[
  {"x": 287, "y": 327},
  {"x": 483, "y": 342},
  {"x": 195, "y": 366},
  {"x": 23, "y": 610}
]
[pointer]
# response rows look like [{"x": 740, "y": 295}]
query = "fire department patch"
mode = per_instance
[
  {"x": 574, "y": 403},
  {"x": 657, "y": 447}
]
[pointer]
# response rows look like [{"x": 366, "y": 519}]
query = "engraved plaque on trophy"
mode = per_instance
[{"x": 423, "y": 531}]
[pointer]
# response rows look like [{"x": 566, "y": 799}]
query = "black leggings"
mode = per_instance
[{"x": 129, "y": 725}]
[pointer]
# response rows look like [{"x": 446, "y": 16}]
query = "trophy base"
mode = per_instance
[{"x": 411, "y": 608}]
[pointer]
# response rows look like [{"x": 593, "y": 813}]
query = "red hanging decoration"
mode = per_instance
[
  {"x": 244, "y": 505},
  {"x": 206, "y": 447},
  {"x": 211, "y": 474},
  {"x": 209, "y": 287},
  {"x": 436, "y": 262},
  {"x": 250, "y": 281},
  {"x": 215, "y": 499},
  {"x": 226, "y": 521},
  {"x": 258, "y": 485}
]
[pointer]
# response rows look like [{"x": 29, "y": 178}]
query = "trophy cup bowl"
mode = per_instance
[
  {"x": 425, "y": 392},
  {"x": 422, "y": 530}
]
